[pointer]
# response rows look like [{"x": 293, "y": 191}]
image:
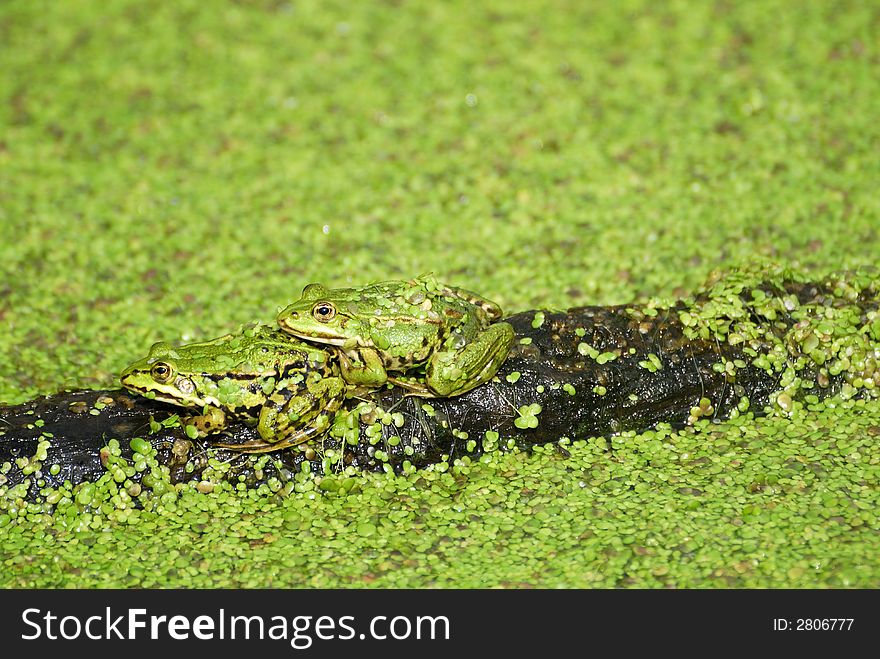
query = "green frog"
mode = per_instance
[
  {"x": 261, "y": 375},
  {"x": 401, "y": 325}
]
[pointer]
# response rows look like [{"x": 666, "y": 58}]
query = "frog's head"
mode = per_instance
[
  {"x": 158, "y": 376},
  {"x": 321, "y": 315}
]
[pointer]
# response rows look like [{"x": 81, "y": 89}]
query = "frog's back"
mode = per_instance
[
  {"x": 493, "y": 311},
  {"x": 398, "y": 299},
  {"x": 255, "y": 349}
]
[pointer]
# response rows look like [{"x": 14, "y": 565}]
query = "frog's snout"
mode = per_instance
[
  {"x": 128, "y": 377},
  {"x": 288, "y": 317},
  {"x": 125, "y": 376}
]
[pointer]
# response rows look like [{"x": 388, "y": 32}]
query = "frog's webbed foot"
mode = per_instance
[{"x": 360, "y": 391}]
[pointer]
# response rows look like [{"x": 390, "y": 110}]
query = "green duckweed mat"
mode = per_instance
[{"x": 169, "y": 171}]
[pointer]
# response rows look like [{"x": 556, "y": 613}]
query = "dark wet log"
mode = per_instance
[{"x": 592, "y": 370}]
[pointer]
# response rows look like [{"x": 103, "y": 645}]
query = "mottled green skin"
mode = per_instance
[
  {"x": 400, "y": 325},
  {"x": 260, "y": 375}
]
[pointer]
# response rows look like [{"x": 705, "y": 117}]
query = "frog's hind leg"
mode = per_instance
[
  {"x": 454, "y": 372},
  {"x": 289, "y": 421}
]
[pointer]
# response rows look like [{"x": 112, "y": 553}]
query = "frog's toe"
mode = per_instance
[{"x": 415, "y": 388}]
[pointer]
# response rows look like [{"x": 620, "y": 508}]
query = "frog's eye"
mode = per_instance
[
  {"x": 324, "y": 312},
  {"x": 161, "y": 372}
]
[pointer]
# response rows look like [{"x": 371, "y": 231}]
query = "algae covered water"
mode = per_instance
[{"x": 171, "y": 172}]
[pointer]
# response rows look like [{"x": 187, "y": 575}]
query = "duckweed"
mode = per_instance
[{"x": 528, "y": 416}]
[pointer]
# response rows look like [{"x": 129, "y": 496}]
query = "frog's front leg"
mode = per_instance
[
  {"x": 456, "y": 371},
  {"x": 363, "y": 366}
]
